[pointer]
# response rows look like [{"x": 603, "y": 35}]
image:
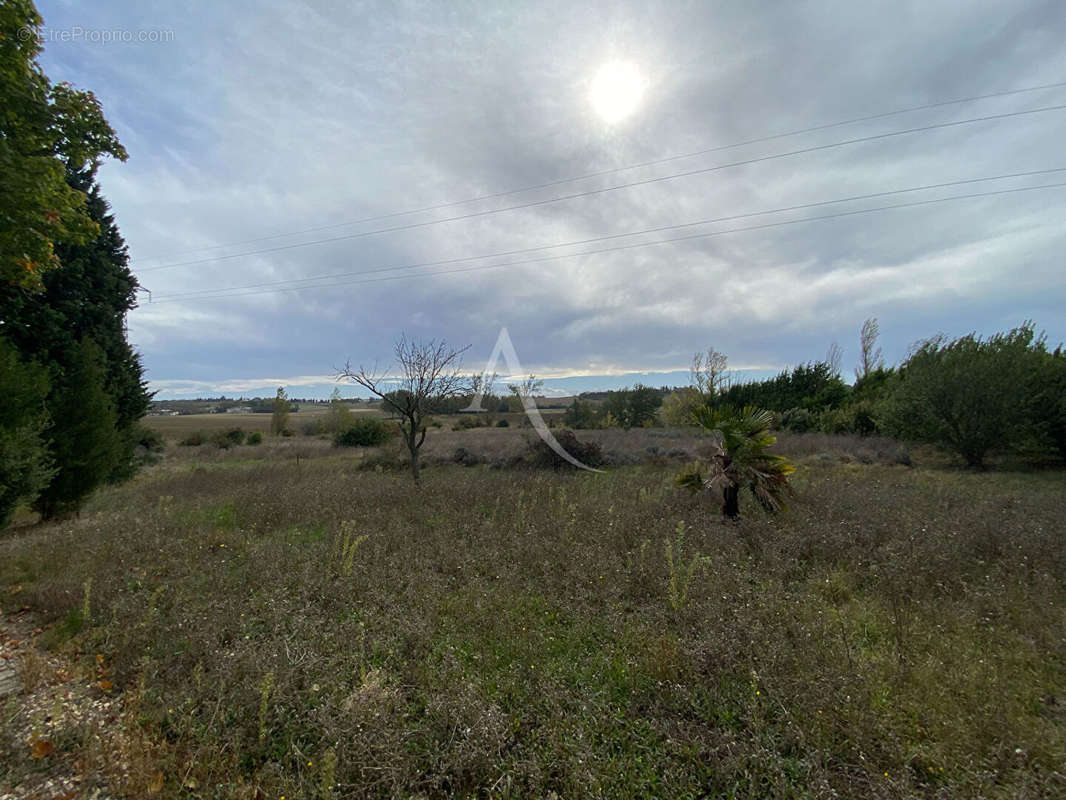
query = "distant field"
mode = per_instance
[
  {"x": 173, "y": 427},
  {"x": 177, "y": 427}
]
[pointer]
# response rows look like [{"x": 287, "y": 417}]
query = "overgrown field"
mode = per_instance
[{"x": 271, "y": 626}]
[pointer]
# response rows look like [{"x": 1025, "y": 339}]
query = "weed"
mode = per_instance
[{"x": 680, "y": 573}]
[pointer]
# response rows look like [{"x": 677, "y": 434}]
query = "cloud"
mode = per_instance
[{"x": 261, "y": 119}]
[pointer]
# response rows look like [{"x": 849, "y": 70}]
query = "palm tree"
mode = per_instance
[{"x": 741, "y": 461}]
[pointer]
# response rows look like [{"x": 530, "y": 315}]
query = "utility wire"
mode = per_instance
[
  {"x": 617, "y": 248},
  {"x": 591, "y": 192},
  {"x": 661, "y": 229},
  {"x": 614, "y": 170}
]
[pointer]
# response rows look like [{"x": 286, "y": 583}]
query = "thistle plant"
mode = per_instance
[{"x": 680, "y": 573}]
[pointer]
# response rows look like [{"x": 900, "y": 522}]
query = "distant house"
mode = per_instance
[
  {"x": 164, "y": 412},
  {"x": 239, "y": 410}
]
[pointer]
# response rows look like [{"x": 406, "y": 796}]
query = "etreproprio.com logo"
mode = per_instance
[{"x": 77, "y": 33}]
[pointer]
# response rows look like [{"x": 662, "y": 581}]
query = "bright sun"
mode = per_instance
[{"x": 617, "y": 90}]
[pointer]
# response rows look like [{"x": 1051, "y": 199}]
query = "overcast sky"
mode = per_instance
[{"x": 247, "y": 120}]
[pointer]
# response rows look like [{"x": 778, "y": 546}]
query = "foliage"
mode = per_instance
[
  {"x": 580, "y": 414},
  {"x": 1045, "y": 397},
  {"x": 680, "y": 406},
  {"x": 25, "y": 464},
  {"x": 254, "y": 438},
  {"x": 741, "y": 461},
  {"x": 634, "y": 407},
  {"x": 798, "y": 420},
  {"x": 279, "y": 415},
  {"x": 85, "y": 443},
  {"x": 813, "y": 386},
  {"x": 967, "y": 395},
  {"x": 364, "y": 432},
  {"x": 680, "y": 573},
  {"x": 225, "y": 439},
  {"x": 87, "y": 297},
  {"x": 540, "y": 454},
  {"x": 339, "y": 416},
  {"x": 46, "y": 130}
]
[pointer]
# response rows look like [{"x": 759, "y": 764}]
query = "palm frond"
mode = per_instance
[{"x": 743, "y": 437}]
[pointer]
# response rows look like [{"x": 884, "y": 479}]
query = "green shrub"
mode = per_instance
[
  {"x": 313, "y": 427},
  {"x": 363, "y": 433},
  {"x": 967, "y": 395},
  {"x": 467, "y": 422},
  {"x": 224, "y": 440},
  {"x": 503, "y": 424},
  {"x": 797, "y": 420},
  {"x": 254, "y": 438},
  {"x": 541, "y": 455}
]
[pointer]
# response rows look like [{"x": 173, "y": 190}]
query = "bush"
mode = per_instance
[
  {"x": 254, "y": 438},
  {"x": 797, "y": 420},
  {"x": 503, "y": 424},
  {"x": 465, "y": 457},
  {"x": 467, "y": 422},
  {"x": 194, "y": 439},
  {"x": 224, "y": 440},
  {"x": 541, "y": 455},
  {"x": 312, "y": 427},
  {"x": 363, "y": 433},
  {"x": 967, "y": 395},
  {"x": 151, "y": 440}
]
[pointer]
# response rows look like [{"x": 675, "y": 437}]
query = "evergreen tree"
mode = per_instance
[
  {"x": 87, "y": 297},
  {"x": 85, "y": 443},
  {"x": 25, "y": 465}
]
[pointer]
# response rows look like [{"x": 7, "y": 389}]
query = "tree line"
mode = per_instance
[
  {"x": 73, "y": 387},
  {"x": 971, "y": 396}
]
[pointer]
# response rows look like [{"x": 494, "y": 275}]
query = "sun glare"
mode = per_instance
[{"x": 617, "y": 90}]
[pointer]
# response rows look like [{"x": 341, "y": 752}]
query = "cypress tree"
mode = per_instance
[
  {"x": 85, "y": 298},
  {"x": 25, "y": 464},
  {"x": 85, "y": 441}
]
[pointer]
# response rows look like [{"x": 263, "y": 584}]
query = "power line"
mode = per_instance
[
  {"x": 592, "y": 192},
  {"x": 614, "y": 170},
  {"x": 617, "y": 248},
  {"x": 660, "y": 229}
]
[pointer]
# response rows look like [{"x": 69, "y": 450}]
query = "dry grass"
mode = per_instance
[{"x": 900, "y": 633}]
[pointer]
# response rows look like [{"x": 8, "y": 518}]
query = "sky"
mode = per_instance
[{"x": 257, "y": 129}]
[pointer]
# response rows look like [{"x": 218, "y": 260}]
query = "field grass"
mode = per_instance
[{"x": 295, "y": 620}]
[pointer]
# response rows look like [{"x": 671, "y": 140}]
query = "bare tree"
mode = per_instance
[
  {"x": 833, "y": 357},
  {"x": 527, "y": 387},
  {"x": 429, "y": 374},
  {"x": 483, "y": 383},
  {"x": 870, "y": 359},
  {"x": 708, "y": 371}
]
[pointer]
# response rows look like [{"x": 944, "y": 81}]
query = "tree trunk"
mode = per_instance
[
  {"x": 412, "y": 448},
  {"x": 731, "y": 502}
]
